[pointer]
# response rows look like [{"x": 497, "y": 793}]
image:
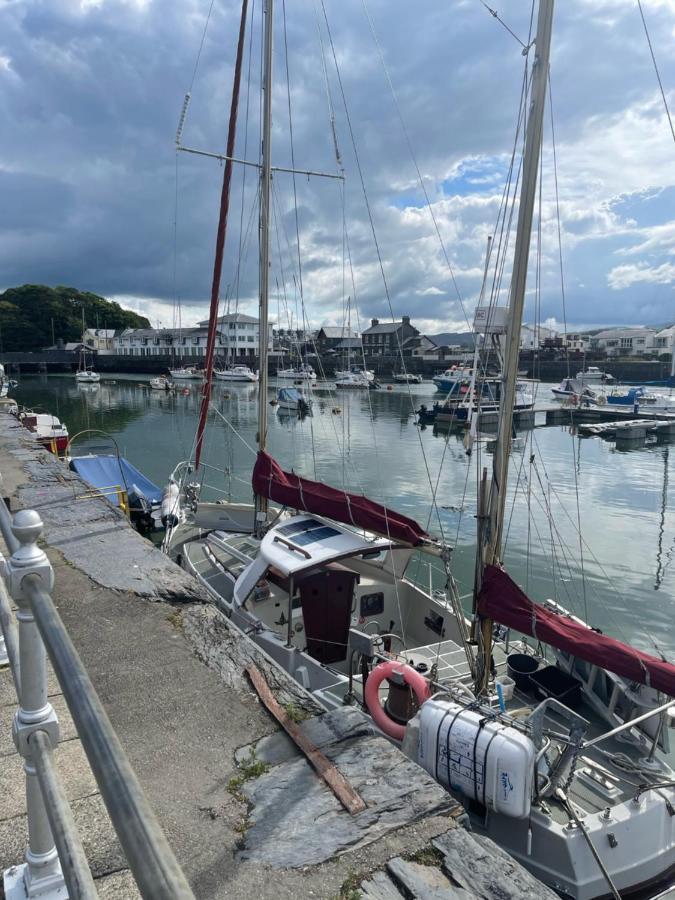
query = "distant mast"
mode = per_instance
[
  {"x": 265, "y": 199},
  {"x": 220, "y": 242}
]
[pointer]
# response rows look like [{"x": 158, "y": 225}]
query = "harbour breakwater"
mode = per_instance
[{"x": 628, "y": 371}]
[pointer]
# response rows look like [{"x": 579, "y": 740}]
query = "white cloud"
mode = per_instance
[
  {"x": 88, "y": 178},
  {"x": 625, "y": 276}
]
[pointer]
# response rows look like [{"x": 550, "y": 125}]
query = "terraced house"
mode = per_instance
[{"x": 385, "y": 338}]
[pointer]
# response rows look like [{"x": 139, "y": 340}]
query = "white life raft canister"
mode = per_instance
[
  {"x": 170, "y": 505},
  {"x": 480, "y": 757}
]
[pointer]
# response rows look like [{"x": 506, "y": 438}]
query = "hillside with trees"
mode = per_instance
[{"x": 34, "y": 316}]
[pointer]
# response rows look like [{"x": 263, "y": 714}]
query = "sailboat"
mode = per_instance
[
  {"x": 85, "y": 371},
  {"x": 559, "y": 752}
]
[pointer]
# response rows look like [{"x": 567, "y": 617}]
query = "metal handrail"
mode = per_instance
[
  {"x": 6, "y": 528},
  {"x": 8, "y": 628},
  {"x": 74, "y": 865},
  {"x": 148, "y": 853}
]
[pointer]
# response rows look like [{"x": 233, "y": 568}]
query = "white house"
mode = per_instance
[
  {"x": 236, "y": 336},
  {"x": 624, "y": 341},
  {"x": 576, "y": 342},
  {"x": 664, "y": 340},
  {"x": 532, "y": 337},
  {"x": 100, "y": 340},
  {"x": 240, "y": 334}
]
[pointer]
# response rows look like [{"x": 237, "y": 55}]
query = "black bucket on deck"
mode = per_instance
[{"x": 520, "y": 666}]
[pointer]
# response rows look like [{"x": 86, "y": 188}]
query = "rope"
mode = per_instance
[
  {"x": 656, "y": 69},
  {"x": 493, "y": 13},
  {"x": 406, "y": 134}
]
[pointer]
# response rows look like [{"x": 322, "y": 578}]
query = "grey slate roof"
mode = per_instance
[
  {"x": 240, "y": 318},
  {"x": 337, "y": 331},
  {"x": 386, "y": 327}
]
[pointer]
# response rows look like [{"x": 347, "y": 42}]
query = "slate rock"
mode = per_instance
[
  {"x": 425, "y": 882},
  {"x": 380, "y": 887},
  {"x": 332, "y": 727},
  {"x": 477, "y": 864},
  {"x": 296, "y": 820}
]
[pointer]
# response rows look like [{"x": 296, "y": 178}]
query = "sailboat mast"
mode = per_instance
[
  {"x": 519, "y": 279},
  {"x": 265, "y": 214},
  {"x": 492, "y": 538}
]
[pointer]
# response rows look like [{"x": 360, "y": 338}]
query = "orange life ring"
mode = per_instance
[{"x": 383, "y": 670}]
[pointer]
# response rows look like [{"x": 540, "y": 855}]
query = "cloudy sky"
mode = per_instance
[{"x": 90, "y": 184}]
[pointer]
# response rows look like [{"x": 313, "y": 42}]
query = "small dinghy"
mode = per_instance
[{"x": 122, "y": 485}]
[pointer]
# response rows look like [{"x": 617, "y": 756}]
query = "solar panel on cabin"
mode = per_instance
[
  {"x": 299, "y": 527},
  {"x": 315, "y": 535}
]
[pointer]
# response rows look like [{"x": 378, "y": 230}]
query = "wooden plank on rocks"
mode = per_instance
[{"x": 342, "y": 789}]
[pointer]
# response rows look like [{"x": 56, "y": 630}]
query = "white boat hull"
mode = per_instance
[
  {"x": 87, "y": 377},
  {"x": 185, "y": 375},
  {"x": 292, "y": 375},
  {"x": 242, "y": 375},
  {"x": 408, "y": 379}
]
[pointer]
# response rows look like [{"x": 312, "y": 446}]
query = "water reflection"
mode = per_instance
[{"x": 370, "y": 442}]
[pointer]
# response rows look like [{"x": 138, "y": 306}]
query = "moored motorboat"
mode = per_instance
[
  {"x": 368, "y": 374},
  {"x": 240, "y": 374},
  {"x": 453, "y": 379},
  {"x": 303, "y": 372},
  {"x": 161, "y": 383},
  {"x": 407, "y": 378},
  {"x": 292, "y": 399},
  {"x": 122, "y": 485},
  {"x": 593, "y": 374},
  {"x": 47, "y": 429},
  {"x": 186, "y": 373},
  {"x": 351, "y": 380},
  {"x": 570, "y": 388}
]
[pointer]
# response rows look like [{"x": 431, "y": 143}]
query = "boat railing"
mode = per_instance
[{"x": 56, "y": 865}]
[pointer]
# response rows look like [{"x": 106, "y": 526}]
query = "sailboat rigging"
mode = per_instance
[
  {"x": 220, "y": 242},
  {"x": 323, "y": 586}
]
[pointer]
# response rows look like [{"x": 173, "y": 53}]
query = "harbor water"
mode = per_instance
[{"x": 586, "y": 525}]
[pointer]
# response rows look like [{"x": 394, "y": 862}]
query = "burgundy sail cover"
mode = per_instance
[
  {"x": 502, "y": 600},
  {"x": 270, "y": 480}
]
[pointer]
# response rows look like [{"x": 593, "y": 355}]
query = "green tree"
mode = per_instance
[{"x": 27, "y": 313}]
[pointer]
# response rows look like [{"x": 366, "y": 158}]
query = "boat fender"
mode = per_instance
[
  {"x": 170, "y": 504},
  {"x": 412, "y": 678}
]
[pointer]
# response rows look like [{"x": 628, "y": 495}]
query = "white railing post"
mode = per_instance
[{"x": 41, "y": 874}]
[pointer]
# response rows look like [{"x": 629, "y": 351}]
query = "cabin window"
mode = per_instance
[
  {"x": 434, "y": 622},
  {"x": 372, "y": 604}
]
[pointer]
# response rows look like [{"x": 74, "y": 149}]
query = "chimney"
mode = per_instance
[
  {"x": 374, "y": 322},
  {"x": 406, "y": 320}
]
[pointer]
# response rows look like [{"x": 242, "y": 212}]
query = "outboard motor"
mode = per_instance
[{"x": 170, "y": 505}]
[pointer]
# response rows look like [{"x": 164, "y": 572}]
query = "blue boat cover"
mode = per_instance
[
  {"x": 111, "y": 471},
  {"x": 627, "y": 399},
  {"x": 290, "y": 394}
]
